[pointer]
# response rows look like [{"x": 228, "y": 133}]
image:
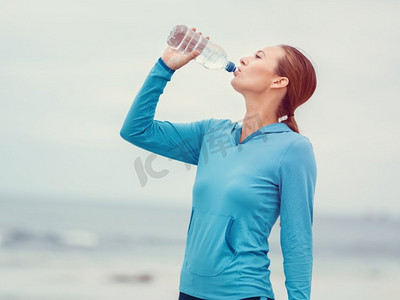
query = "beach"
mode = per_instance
[{"x": 87, "y": 250}]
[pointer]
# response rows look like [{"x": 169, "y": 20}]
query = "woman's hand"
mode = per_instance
[{"x": 175, "y": 59}]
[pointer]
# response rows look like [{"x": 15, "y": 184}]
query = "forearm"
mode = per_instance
[
  {"x": 179, "y": 141},
  {"x": 141, "y": 114},
  {"x": 298, "y": 263}
]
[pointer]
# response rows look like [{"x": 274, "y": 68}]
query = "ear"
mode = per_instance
[{"x": 279, "y": 82}]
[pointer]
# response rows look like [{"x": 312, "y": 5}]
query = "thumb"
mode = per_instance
[
  {"x": 183, "y": 59},
  {"x": 195, "y": 53},
  {"x": 192, "y": 55}
]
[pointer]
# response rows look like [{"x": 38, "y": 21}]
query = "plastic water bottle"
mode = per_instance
[{"x": 211, "y": 56}]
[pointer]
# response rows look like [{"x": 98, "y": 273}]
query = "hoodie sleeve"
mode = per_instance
[
  {"x": 297, "y": 185},
  {"x": 179, "y": 141}
]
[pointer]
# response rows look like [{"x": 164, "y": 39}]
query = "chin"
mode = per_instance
[{"x": 235, "y": 85}]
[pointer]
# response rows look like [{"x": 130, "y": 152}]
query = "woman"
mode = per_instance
[{"x": 247, "y": 176}]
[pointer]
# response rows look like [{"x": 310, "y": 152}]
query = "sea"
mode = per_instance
[{"x": 107, "y": 250}]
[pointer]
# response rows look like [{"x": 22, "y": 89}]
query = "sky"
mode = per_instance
[{"x": 69, "y": 71}]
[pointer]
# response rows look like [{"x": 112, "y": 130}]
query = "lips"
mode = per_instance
[{"x": 237, "y": 71}]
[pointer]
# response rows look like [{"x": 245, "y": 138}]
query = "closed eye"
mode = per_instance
[{"x": 257, "y": 54}]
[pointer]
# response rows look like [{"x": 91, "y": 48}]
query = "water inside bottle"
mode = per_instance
[
  {"x": 186, "y": 40},
  {"x": 176, "y": 36},
  {"x": 211, "y": 56}
]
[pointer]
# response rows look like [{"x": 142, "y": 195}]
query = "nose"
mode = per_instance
[{"x": 244, "y": 61}]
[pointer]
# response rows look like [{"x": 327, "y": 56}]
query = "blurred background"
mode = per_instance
[{"x": 80, "y": 219}]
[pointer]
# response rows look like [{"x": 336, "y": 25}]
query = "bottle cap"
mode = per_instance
[{"x": 230, "y": 67}]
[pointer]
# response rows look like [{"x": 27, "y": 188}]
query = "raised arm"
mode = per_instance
[
  {"x": 180, "y": 141},
  {"x": 297, "y": 185}
]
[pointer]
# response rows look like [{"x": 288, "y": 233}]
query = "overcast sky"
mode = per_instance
[{"x": 69, "y": 71}]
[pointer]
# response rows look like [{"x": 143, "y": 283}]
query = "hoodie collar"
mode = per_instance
[
  {"x": 271, "y": 128},
  {"x": 275, "y": 128}
]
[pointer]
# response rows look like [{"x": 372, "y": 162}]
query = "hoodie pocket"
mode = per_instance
[{"x": 208, "y": 248}]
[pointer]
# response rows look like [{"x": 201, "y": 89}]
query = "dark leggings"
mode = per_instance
[{"x": 183, "y": 296}]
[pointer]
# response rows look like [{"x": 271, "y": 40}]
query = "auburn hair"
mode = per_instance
[{"x": 302, "y": 83}]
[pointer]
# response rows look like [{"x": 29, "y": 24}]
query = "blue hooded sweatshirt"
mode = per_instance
[{"x": 240, "y": 190}]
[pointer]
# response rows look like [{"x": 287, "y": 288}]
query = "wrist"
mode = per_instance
[{"x": 165, "y": 66}]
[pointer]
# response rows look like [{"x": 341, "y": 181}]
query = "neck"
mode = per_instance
[{"x": 260, "y": 112}]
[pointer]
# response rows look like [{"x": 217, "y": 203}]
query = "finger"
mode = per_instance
[
  {"x": 187, "y": 58},
  {"x": 193, "y": 54},
  {"x": 207, "y": 37},
  {"x": 194, "y": 28}
]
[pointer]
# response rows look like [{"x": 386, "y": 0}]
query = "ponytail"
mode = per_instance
[
  {"x": 291, "y": 122},
  {"x": 302, "y": 83}
]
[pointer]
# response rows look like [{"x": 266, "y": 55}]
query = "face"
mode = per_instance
[{"x": 256, "y": 73}]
